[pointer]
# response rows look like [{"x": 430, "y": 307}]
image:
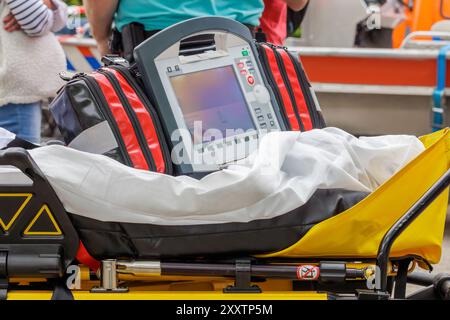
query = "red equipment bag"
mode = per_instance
[
  {"x": 291, "y": 87},
  {"x": 107, "y": 112}
]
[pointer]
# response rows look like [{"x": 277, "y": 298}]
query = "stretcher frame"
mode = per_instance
[{"x": 33, "y": 266}]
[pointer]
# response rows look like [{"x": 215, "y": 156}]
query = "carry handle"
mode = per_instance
[{"x": 192, "y": 27}]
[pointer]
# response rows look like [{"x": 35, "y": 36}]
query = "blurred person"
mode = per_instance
[
  {"x": 30, "y": 60},
  {"x": 371, "y": 35},
  {"x": 136, "y": 20},
  {"x": 274, "y": 18}
]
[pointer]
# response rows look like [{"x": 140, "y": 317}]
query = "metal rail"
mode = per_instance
[{"x": 398, "y": 228}]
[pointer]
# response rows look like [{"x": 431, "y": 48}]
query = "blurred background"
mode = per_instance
[{"x": 373, "y": 63}]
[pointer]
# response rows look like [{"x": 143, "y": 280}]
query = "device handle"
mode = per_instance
[{"x": 196, "y": 26}]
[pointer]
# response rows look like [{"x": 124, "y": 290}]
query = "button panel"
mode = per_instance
[{"x": 256, "y": 93}]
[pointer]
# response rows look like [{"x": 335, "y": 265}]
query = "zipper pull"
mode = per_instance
[
  {"x": 114, "y": 59},
  {"x": 280, "y": 47},
  {"x": 67, "y": 76}
]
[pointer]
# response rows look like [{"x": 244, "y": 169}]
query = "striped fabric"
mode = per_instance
[{"x": 35, "y": 18}]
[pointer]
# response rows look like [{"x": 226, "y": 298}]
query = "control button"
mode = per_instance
[
  {"x": 244, "y": 72},
  {"x": 269, "y": 116},
  {"x": 258, "y": 110},
  {"x": 177, "y": 68},
  {"x": 261, "y": 94},
  {"x": 241, "y": 65},
  {"x": 272, "y": 123},
  {"x": 245, "y": 53},
  {"x": 169, "y": 69},
  {"x": 261, "y": 118},
  {"x": 263, "y": 125},
  {"x": 247, "y": 139},
  {"x": 251, "y": 80}
]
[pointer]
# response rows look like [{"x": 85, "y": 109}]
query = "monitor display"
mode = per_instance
[{"x": 213, "y": 98}]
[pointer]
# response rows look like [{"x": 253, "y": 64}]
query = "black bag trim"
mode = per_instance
[
  {"x": 273, "y": 83},
  {"x": 288, "y": 85},
  {"x": 300, "y": 80},
  {"x": 132, "y": 116},
  {"x": 305, "y": 84},
  {"x": 151, "y": 110},
  {"x": 106, "y": 112}
]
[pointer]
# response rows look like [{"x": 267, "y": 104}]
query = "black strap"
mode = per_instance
[
  {"x": 3, "y": 276},
  {"x": 60, "y": 290},
  {"x": 3, "y": 289},
  {"x": 401, "y": 279},
  {"x": 243, "y": 278}
]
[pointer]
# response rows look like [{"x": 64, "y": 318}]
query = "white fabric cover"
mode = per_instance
[
  {"x": 281, "y": 176},
  {"x": 5, "y": 137}
]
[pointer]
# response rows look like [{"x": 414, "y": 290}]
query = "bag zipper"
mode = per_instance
[
  {"x": 288, "y": 85},
  {"x": 273, "y": 83},
  {"x": 104, "y": 110},
  {"x": 153, "y": 114},
  {"x": 133, "y": 118}
]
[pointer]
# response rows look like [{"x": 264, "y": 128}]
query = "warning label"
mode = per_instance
[{"x": 308, "y": 272}]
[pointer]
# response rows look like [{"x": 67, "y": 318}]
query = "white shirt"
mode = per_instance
[
  {"x": 35, "y": 18},
  {"x": 29, "y": 65}
]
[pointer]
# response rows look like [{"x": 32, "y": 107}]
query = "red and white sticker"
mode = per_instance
[{"x": 308, "y": 272}]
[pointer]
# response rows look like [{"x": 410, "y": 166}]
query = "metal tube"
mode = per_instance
[
  {"x": 421, "y": 279},
  {"x": 151, "y": 269},
  {"x": 139, "y": 268},
  {"x": 397, "y": 229},
  {"x": 109, "y": 278},
  {"x": 228, "y": 270},
  {"x": 197, "y": 269},
  {"x": 257, "y": 270}
]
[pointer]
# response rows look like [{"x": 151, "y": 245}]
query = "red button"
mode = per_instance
[
  {"x": 243, "y": 72},
  {"x": 241, "y": 65},
  {"x": 250, "y": 80}
]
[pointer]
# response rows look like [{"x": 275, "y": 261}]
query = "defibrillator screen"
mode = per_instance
[{"x": 212, "y": 101}]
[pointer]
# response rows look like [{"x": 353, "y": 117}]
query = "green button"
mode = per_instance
[{"x": 245, "y": 53}]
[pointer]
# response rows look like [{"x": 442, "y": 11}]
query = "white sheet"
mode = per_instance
[
  {"x": 5, "y": 137},
  {"x": 281, "y": 176}
]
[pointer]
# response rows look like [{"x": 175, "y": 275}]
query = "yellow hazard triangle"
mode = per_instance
[
  {"x": 43, "y": 224},
  {"x": 11, "y": 206}
]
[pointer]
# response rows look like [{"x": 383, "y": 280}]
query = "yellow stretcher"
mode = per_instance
[
  {"x": 357, "y": 232},
  {"x": 366, "y": 251}
]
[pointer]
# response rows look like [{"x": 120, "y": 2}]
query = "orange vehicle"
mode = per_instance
[{"x": 421, "y": 15}]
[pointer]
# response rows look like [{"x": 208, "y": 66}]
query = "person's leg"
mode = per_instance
[
  {"x": 22, "y": 119},
  {"x": 30, "y": 117},
  {"x": 8, "y": 118}
]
